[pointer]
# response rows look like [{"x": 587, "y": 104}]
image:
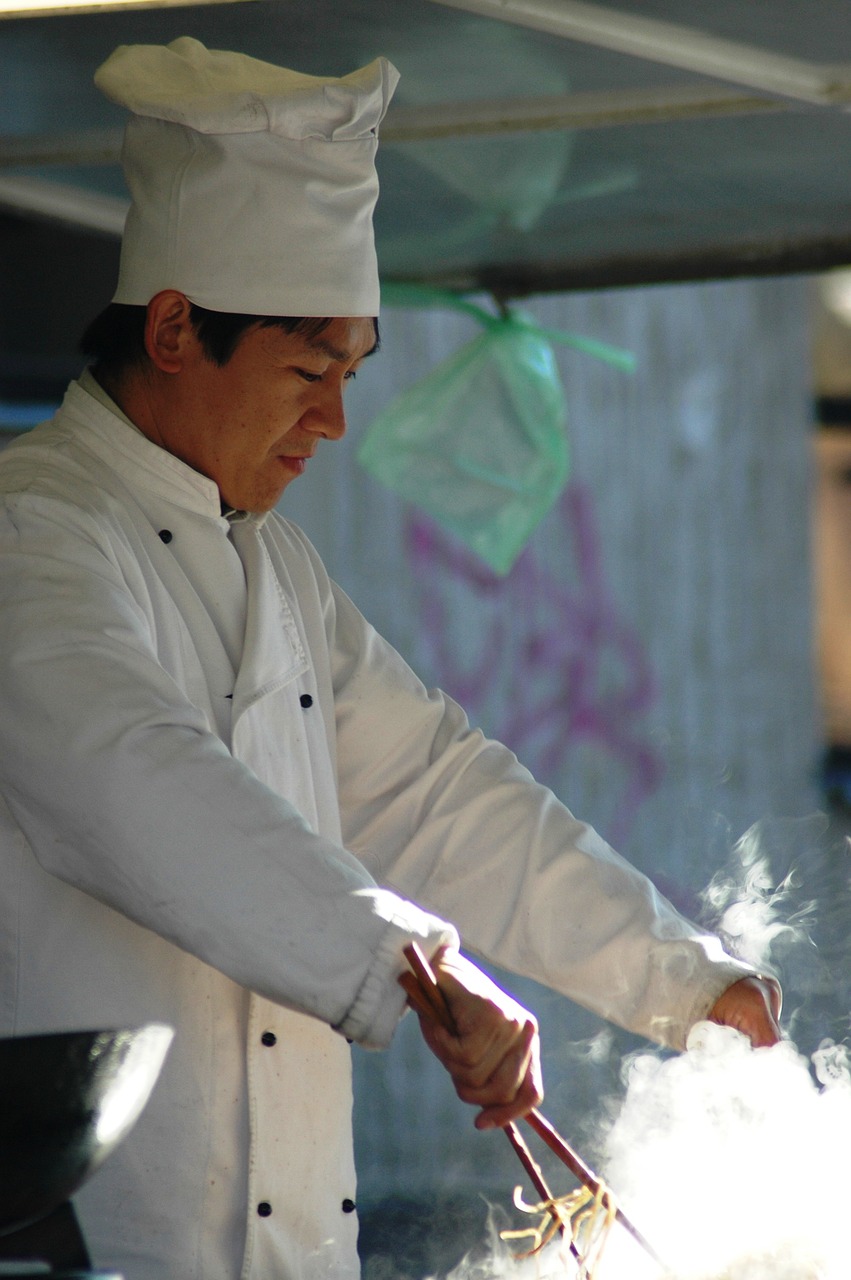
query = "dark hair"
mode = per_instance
[{"x": 115, "y": 340}]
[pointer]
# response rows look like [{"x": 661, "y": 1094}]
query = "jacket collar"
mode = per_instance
[{"x": 101, "y": 427}]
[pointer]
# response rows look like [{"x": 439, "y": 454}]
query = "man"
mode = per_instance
[{"x": 227, "y": 804}]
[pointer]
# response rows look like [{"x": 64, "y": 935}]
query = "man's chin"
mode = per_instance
[{"x": 257, "y": 504}]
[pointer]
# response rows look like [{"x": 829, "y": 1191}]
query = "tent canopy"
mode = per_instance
[{"x": 533, "y": 145}]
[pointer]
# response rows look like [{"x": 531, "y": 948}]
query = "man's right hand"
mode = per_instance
[{"x": 493, "y": 1052}]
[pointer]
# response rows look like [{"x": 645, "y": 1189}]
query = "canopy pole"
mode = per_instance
[{"x": 672, "y": 45}]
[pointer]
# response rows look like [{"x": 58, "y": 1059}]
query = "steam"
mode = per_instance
[
  {"x": 733, "y": 1162},
  {"x": 756, "y": 916}
]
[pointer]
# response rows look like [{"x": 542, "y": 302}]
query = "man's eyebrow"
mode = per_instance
[{"x": 337, "y": 353}]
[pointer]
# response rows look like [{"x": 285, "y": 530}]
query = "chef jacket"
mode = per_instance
[{"x": 227, "y": 804}]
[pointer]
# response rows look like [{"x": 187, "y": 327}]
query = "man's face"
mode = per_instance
[{"x": 252, "y": 424}]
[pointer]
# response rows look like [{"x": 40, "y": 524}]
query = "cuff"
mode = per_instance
[{"x": 381, "y": 1001}]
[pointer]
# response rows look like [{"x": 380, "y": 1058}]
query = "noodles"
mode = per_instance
[{"x": 585, "y": 1217}]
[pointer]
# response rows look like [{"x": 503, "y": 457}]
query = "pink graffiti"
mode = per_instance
[{"x": 571, "y": 670}]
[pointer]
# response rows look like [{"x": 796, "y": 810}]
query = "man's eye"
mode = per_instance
[
  {"x": 350, "y": 375},
  {"x": 308, "y": 376}
]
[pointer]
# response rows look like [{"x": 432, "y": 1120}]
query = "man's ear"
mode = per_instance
[{"x": 169, "y": 332}]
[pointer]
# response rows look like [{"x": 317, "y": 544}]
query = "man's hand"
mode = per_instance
[
  {"x": 752, "y": 1006},
  {"x": 493, "y": 1053}
]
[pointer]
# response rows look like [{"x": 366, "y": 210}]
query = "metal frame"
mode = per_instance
[{"x": 670, "y": 44}]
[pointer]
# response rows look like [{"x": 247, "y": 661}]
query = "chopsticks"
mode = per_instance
[{"x": 427, "y": 998}]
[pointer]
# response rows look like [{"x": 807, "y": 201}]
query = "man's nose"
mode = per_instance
[{"x": 330, "y": 415}]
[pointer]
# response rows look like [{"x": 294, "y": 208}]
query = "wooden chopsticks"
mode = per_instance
[{"x": 426, "y": 997}]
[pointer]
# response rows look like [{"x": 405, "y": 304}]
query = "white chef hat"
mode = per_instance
[{"x": 252, "y": 186}]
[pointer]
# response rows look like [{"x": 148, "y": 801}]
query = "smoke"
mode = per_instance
[
  {"x": 781, "y": 902},
  {"x": 758, "y": 907},
  {"x": 732, "y": 1162}
]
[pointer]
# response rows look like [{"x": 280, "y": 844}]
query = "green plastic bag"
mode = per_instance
[{"x": 480, "y": 443}]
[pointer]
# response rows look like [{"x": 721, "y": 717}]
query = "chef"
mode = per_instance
[{"x": 225, "y": 802}]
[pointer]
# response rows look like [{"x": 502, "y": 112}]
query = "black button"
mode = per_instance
[
  {"x": 269, "y": 1039},
  {"x": 264, "y": 1209},
  {"x": 348, "y": 1206},
  {"x": 306, "y": 700},
  {"x": 166, "y": 535}
]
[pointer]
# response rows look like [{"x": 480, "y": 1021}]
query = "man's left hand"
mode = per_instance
[{"x": 752, "y": 1006}]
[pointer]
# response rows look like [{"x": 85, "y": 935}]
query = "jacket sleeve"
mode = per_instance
[
  {"x": 122, "y": 791},
  {"x": 451, "y": 819}
]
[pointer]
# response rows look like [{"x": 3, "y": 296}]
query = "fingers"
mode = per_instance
[
  {"x": 492, "y": 1053},
  {"x": 504, "y": 1080},
  {"x": 752, "y": 1006},
  {"x": 515, "y": 1088}
]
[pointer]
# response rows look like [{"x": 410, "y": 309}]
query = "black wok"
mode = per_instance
[{"x": 66, "y": 1100}]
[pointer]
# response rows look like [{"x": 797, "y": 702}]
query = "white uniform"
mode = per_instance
[{"x": 209, "y": 763}]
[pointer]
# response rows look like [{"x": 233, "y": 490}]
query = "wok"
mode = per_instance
[{"x": 68, "y": 1099}]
